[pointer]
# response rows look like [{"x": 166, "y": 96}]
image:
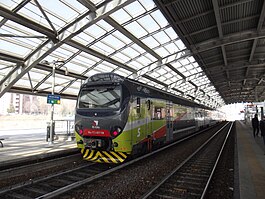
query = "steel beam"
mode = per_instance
[{"x": 67, "y": 33}]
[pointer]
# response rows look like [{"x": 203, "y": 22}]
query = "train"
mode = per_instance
[{"x": 117, "y": 118}]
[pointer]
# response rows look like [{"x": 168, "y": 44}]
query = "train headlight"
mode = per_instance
[{"x": 116, "y": 130}]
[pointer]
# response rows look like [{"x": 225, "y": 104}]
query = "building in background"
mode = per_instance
[{"x": 13, "y": 103}]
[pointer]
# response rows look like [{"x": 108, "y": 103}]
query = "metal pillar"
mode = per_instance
[{"x": 52, "y": 106}]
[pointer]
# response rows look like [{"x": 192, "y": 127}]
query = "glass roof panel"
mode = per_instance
[
  {"x": 122, "y": 37},
  {"x": 113, "y": 41},
  {"x": 104, "y": 68},
  {"x": 184, "y": 62},
  {"x": 138, "y": 49},
  {"x": 136, "y": 29},
  {"x": 13, "y": 48},
  {"x": 169, "y": 75},
  {"x": 161, "y": 37},
  {"x": 144, "y": 60},
  {"x": 134, "y": 64},
  {"x": 59, "y": 9},
  {"x": 161, "y": 51},
  {"x": 150, "y": 42},
  {"x": 152, "y": 58},
  {"x": 108, "y": 65},
  {"x": 36, "y": 75},
  {"x": 83, "y": 38},
  {"x": 160, "y": 19},
  {"x": 180, "y": 45},
  {"x": 171, "y": 33},
  {"x": 32, "y": 12},
  {"x": 147, "y": 4},
  {"x": 75, "y": 5},
  {"x": 171, "y": 48},
  {"x": 161, "y": 78},
  {"x": 148, "y": 23},
  {"x": 121, "y": 16},
  {"x": 123, "y": 72},
  {"x": 134, "y": 9},
  {"x": 5, "y": 67},
  {"x": 130, "y": 52},
  {"x": 95, "y": 31},
  {"x": 19, "y": 35},
  {"x": 92, "y": 72},
  {"x": 121, "y": 57},
  {"x": 9, "y": 4},
  {"x": 105, "y": 25},
  {"x": 75, "y": 67},
  {"x": 87, "y": 58},
  {"x": 22, "y": 29},
  {"x": 102, "y": 48}
]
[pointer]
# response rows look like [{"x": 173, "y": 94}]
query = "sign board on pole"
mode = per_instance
[{"x": 53, "y": 99}]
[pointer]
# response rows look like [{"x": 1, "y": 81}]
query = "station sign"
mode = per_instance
[{"x": 53, "y": 99}]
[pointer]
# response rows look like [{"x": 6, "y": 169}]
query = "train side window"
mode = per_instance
[{"x": 138, "y": 105}]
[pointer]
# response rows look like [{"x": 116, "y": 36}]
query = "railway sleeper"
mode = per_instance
[
  {"x": 189, "y": 182},
  {"x": 17, "y": 196},
  {"x": 192, "y": 178},
  {"x": 193, "y": 175},
  {"x": 35, "y": 190},
  {"x": 47, "y": 187},
  {"x": 75, "y": 178},
  {"x": 178, "y": 192}
]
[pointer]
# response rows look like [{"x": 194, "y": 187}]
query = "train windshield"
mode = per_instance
[{"x": 100, "y": 98}]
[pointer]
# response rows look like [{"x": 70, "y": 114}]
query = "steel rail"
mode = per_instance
[
  {"x": 31, "y": 182},
  {"x": 215, "y": 165},
  {"x": 155, "y": 187}
]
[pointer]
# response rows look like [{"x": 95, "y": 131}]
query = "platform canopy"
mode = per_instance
[{"x": 133, "y": 38}]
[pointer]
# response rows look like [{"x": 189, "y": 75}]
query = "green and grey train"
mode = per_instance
[{"x": 117, "y": 117}]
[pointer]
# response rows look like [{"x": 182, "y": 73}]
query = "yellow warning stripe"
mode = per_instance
[
  {"x": 103, "y": 158},
  {"x": 118, "y": 157},
  {"x": 86, "y": 153},
  {"x": 90, "y": 155},
  {"x": 95, "y": 157},
  {"x": 122, "y": 154},
  {"x": 110, "y": 157}
]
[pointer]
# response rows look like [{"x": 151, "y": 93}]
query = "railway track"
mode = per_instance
[
  {"x": 52, "y": 185},
  {"x": 57, "y": 184},
  {"x": 191, "y": 178}
]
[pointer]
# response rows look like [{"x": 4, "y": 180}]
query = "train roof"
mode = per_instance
[{"x": 140, "y": 88}]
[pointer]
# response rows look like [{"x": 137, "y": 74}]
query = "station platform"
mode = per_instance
[
  {"x": 30, "y": 146},
  {"x": 251, "y": 163}
]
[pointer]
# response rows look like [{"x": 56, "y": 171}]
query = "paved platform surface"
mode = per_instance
[
  {"x": 26, "y": 146},
  {"x": 251, "y": 163}
]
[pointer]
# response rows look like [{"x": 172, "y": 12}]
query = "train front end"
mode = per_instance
[{"x": 101, "y": 115}]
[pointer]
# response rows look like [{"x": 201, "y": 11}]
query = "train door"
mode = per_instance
[
  {"x": 138, "y": 124},
  {"x": 149, "y": 126},
  {"x": 148, "y": 117},
  {"x": 169, "y": 121}
]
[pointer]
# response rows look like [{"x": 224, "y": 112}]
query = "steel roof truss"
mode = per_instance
[{"x": 72, "y": 30}]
